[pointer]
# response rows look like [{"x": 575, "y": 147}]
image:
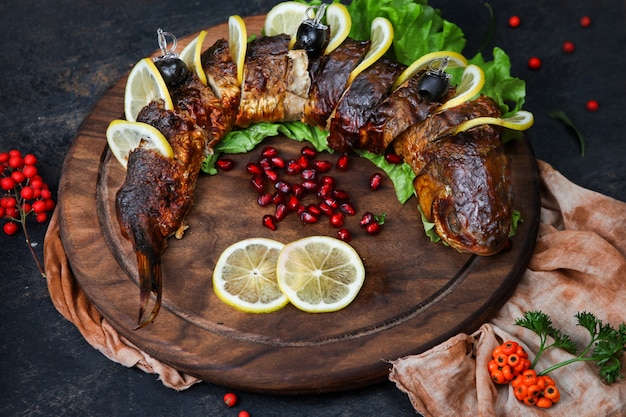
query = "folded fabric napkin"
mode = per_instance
[{"x": 579, "y": 264}]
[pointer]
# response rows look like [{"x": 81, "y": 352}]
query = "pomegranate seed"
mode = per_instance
[
  {"x": 297, "y": 190},
  {"x": 307, "y": 217},
  {"x": 314, "y": 210},
  {"x": 342, "y": 162},
  {"x": 514, "y": 21},
  {"x": 264, "y": 199},
  {"x": 308, "y": 174},
  {"x": 327, "y": 179},
  {"x": 253, "y": 168},
  {"x": 225, "y": 164},
  {"x": 375, "y": 181},
  {"x": 278, "y": 197},
  {"x": 325, "y": 208},
  {"x": 325, "y": 191},
  {"x": 301, "y": 208},
  {"x": 293, "y": 202},
  {"x": 347, "y": 208},
  {"x": 308, "y": 152},
  {"x": 293, "y": 167},
  {"x": 331, "y": 202},
  {"x": 568, "y": 47},
  {"x": 322, "y": 166},
  {"x": 534, "y": 63},
  {"x": 281, "y": 212},
  {"x": 344, "y": 234},
  {"x": 283, "y": 186},
  {"x": 269, "y": 151},
  {"x": 271, "y": 175},
  {"x": 366, "y": 219},
  {"x": 592, "y": 105},
  {"x": 336, "y": 220},
  {"x": 585, "y": 21},
  {"x": 278, "y": 162},
  {"x": 393, "y": 158},
  {"x": 340, "y": 195},
  {"x": 257, "y": 183},
  {"x": 269, "y": 221},
  {"x": 310, "y": 185},
  {"x": 304, "y": 162},
  {"x": 265, "y": 163},
  {"x": 373, "y": 228}
]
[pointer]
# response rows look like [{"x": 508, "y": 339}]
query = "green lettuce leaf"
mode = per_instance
[{"x": 401, "y": 175}]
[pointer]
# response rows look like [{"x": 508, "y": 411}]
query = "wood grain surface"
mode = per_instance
[{"x": 416, "y": 293}]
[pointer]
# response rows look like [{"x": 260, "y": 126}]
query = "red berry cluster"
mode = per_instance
[
  {"x": 306, "y": 175},
  {"x": 24, "y": 191}
]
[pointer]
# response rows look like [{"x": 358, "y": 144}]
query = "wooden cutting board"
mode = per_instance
[{"x": 416, "y": 294}]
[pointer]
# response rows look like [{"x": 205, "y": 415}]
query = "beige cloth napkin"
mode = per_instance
[{"x": 579, "y": 264}]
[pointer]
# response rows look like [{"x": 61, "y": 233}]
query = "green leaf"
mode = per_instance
[
  {"x": 560, "y": 115},
  {"x": 429, "y": 227},
  {"x": 401, "y": 175},
  {"x": 515, "y": 221}
]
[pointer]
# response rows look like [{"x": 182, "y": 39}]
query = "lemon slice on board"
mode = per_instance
[
  {"x": 124, "y": 136},
  {"x": 340, "y": 23},
  {"x": 285, "y": 18},
  {"x": 320, "y": 274},
  {"x": 145, "y": 84},
  {"x": 455, "y": 60},
  {"x": 471, "y": 83},
  {"x": 381, "y": 38},
  {"x": 245, "y": 276},
  {"x": 521, "y": 120},
  {"x": 238, "y": 43},
  {"x": 190, "y": 55}
]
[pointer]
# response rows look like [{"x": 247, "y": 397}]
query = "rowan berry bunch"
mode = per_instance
[{"x": 24, "y": 193}]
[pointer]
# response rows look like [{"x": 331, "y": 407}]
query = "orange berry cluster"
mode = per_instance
[{"x": 510, "y": 364}]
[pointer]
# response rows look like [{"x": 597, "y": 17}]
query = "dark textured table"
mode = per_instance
[{"x": 60, "y": 56}]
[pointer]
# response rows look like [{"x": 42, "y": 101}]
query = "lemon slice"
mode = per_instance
[
  {"x": 340, "y": 23},
  {"x": 145, "y": 84},
  {"x": 124, "y": 136},
  {"x": 471, "y": 83},
  {"x": 245, "y": 276},
  {"x": 455, "y": 60},
  {"x": 285, "y": 18},
  {"x": 238, "y": 43},
  {"x": 521, "y": 120},
  {"x": 320, "y": 274},
  {"x": 190, "y": 55},
  {"x": 381, "y": 37}
]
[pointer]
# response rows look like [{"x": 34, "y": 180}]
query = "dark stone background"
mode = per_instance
[{"x": 60, "y": 56}]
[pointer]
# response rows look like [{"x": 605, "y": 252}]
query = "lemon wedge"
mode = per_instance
[
  {"x": 124, "y": 136},
  {"x": 190, "y": 55},
  {"x": 455, "y": 60},
  {"x": 144, "y": 85},
  {"x": 471, "y": 83},
  {"x": 245, "y": 276},
  {"x": 238, "y": 43},
  {"x": 381, "y": 38},
  {"x": 285, "y": 18},
  {"x": 320, "y": 274},
  {"x": 521, "y": 120},
  {"x": 340, "y": 23}
]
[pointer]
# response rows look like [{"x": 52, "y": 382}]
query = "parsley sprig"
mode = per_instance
[{"x": 605, "y": 348}]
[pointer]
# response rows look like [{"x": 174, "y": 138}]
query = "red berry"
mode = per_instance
[
  {"x": 30, "y": 159},
  {"x": 39, "y": 206},
  {"x": 230, "y": 399},
  {"x": 585, "y": 21},
  {"x": 225, "y": 164},
  {"x": 49, "y": 204},
  {"x": 269, "y": 221},
  {"x": 375, "y": 181},
  {"x": 393, "y": 158},
  {"x": 8, "y": 202},
  {"x": 26, "y": 208},
  {"x": 336, "y": 220},
  {"x": 253, "y": 168},
  {"x": 10, "y": 228},
  {"x": 3, "y": 211},
  {"x": 41, "y": 217},
  {"x": 15, "y": 152},
  {"x": 16, "y": 162},
  {"x": 7, "y": 183},
  {"x": 514, "y": 21},
  {"x": 11, "y": 212},
  {"x": 4, "y": 157},
  {"x": 534, "y": 63},
  {"x": 27, "y": 193},
  {"x": 592, "y": 105},
  {"x": 29, "y": 171},
  {"x": 36, "y": 183},
  {"x": 373, "y": 228},
  {"x": 18, "y": 176},
  {"x": 243, "y": 413},
  {"x": 344, "y": 234},
  {"x": 46, "y": 194},
  {"x": 342, "y": 162},
  {"x": 568, "y": 47},
  {"x": 308, "y": 152},
  {"x": 269, "y": 152}
]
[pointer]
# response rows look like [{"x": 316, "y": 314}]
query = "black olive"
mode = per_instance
[
  {"x": 173, "y": 70},
  {"x": 312, "y": 37},
  {"x": 433, "y": 85}
]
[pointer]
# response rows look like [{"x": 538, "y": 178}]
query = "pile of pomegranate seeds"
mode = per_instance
[{"x": 284, "y": 183}]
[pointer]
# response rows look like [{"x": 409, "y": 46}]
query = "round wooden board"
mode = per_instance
[{"x": 416, "y": 295}]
